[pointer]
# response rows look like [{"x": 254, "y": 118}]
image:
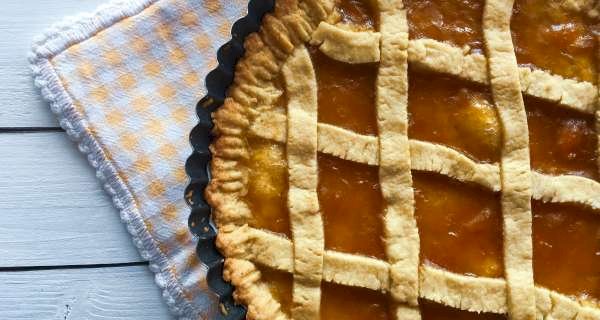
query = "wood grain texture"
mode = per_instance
[
  {"x": 71, "y": 294},
  {"x": 20, "y": 21},
  {"x": 53, "y": 210}
]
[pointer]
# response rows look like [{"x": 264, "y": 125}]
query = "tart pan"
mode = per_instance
[{"x": 197, "y": 165}]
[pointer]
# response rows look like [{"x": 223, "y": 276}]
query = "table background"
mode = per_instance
[{"x": 64, "y": 253}]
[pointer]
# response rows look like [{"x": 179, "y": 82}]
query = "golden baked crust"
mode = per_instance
[
  {"x": 274, "y": 97},
  {"x": 254, "y": 89}
]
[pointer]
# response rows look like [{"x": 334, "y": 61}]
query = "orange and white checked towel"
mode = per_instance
[{"x": 123, "y": 83}]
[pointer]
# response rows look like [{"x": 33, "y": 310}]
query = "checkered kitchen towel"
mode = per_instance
[{"x": 123, "y": 82}]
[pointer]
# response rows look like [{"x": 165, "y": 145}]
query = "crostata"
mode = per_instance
[{"x": 413, "y": 159}]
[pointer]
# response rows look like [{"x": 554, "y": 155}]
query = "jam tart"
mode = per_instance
[{"x": 413, "y": 159}]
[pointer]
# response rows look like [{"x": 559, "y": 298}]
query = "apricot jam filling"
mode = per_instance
[
  {"x": 458, "y": 22},
  {"x": 435, "y": 311},
  {"x": 352, "y": 206},
  {"x": 267, "y": 186},
  {"x": 455, "y": 113},
  {"x": 280, "y": 285},
  {"x": 548, "y": 36},
  {"x": 346, "y": 93},
  {"x": 460, "y": 225},
  {"x": 352, "y": 303},
  {"x": 360, "y": 14},
  {"x": 561, "y": 141},
  {"x": 566, "y": 249}
]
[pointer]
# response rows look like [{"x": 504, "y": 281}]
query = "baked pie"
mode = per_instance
[{"x": 408, "y": 159}]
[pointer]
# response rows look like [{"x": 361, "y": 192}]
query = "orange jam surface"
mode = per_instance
[
  {"x": 352, "y": 206},
  {"x": 561, "y": 141},
  {"x": 361, "y": 14},
  {"x": 346, "y": 93},
  {"x": 455, "y": 113},
  {"x": 460, "y": 225},
  {"x": 280, "y": 284},
  {"x": 267, "y": 186},
  {"x": 352, "y": 303},
  {"x": 566, "y": 249},
  {"x": 435, "y": 311},
  {"x": 458, "y": 22},
  {"x": 553, "y": 38}
]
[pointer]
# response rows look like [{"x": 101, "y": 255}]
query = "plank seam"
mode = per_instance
[
  {"x": 75, "y": 266},
  {"x": 30, "y": 129},
  {"x": 54, "y": 41}
]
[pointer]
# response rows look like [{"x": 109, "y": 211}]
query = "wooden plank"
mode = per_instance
[
  {"x": 53, "y": 210},
  {"x": 95, "y": 293},
  {"x": 20, "y": 21}
]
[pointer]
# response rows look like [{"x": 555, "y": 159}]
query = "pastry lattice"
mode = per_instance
[{"x": 278, "y": 51}]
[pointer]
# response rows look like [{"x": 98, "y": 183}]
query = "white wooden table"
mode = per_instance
[{"x": 64, "y": 253}]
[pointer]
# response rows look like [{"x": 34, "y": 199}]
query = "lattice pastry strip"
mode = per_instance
[
  {"x": 445, "y": 58},
  {"x": 477, "y": 294},
  {"x": 255, "y": 109},
  {"x": 427, "y": 156}
]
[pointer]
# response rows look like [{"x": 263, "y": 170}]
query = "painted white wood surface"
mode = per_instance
[
  {"x": 20, "y": 21},
  {"x": 53, "y": 210},
  {"x": 73, "y": 294}
]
